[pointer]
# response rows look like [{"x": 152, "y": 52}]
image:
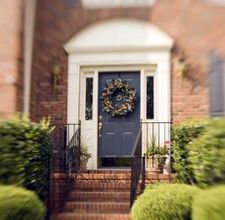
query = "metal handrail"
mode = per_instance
[
  {"x": 66, "y": 139},
  {"x": 137, "y": 167},
  {"x": 136, "y": 142},
  {"x": 73, "y": 150}
]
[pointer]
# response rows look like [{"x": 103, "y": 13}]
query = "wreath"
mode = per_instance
[{"x": 118, "y": 97}]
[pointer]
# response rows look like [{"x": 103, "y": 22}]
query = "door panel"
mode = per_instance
[{"x": 118, "y": 133}]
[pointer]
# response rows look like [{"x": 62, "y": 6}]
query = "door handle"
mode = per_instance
[{"x": 100, "y": 129}]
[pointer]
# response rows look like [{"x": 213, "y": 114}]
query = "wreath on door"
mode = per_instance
[{"x": 118, "y": 97}]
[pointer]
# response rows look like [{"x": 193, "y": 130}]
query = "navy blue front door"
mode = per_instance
[{"x": 118, "y": 133}]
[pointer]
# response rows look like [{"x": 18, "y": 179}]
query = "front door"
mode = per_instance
[{"x": 117, "y": 133}]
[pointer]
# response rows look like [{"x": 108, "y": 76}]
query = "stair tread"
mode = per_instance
[
  {"x": 105, "y": 193},
  {"x": 97, "y": 207},
  {"x": 95, "y": 196},
  {"x": 104, "y": 186},
  {"x": 128, "y": 170},
  {"x": 90, "y": 216},
  {"x": 105, "y": 203},
  {"x": 105, "y": 176}
]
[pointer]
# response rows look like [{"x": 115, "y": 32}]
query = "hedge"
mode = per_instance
[
  {"x": 181, "y": 136},
  {"x": 165, "y": 202},
  {"x": 20, "y": 204},
  {"x": 207, "y": 153},
  {"x": 210, "y": 204},
  {"x": 24, "y": 154}
]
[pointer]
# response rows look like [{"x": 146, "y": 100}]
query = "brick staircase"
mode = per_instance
[{"x": 101, "y": 195}]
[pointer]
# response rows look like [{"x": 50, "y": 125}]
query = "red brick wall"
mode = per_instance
[
  {"x": 196, "y": 27},
  {"x": 11, "y": 24},
  {"x": 60, "y": 185}
]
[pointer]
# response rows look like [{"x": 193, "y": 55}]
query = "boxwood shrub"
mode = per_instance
[
  {"x": 181, "y": 136},
  {"x": 207, "y": 153},
  {"x": 165, "y": 202},
  {"x": 24, "y": 154},
  {"x": 20, "y": 204},
  {"x": 210, "y": 204}
]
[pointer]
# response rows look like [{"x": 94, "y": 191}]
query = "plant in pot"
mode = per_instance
[
  {"x": 161, "y": 156},
  {"x": 84, "y": 156},
  {"x": 156, "y": 157},
  {"x": 150, "y": 156}
]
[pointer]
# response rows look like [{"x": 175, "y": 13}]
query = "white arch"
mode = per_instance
[{"x": 119, "y": 35}]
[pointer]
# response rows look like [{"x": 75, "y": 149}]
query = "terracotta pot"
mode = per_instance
[
  {"x": 152, "y": 167},
  {"x": 83, "y": 167}
]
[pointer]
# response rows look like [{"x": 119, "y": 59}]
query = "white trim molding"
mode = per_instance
[
  {"x": 93, "y": 4},
  {"x": 29, "y": 22},
  {"x": 121, "y": 35},
  {"x": 116, "y": 45}
]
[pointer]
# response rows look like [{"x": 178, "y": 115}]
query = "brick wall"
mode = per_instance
[
  {"x": 11, "y": 24},
  {"x": 60, "y": 185},
  {"x": 196, "y": 27}
]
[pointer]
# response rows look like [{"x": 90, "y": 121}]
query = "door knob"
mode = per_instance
[{"x": 100, "y": 129}]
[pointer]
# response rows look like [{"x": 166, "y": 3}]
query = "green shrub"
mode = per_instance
[
  {"x": 24, "y": 154},
  {"x": 182, "y": 135},
  {"x": 209, "y": 204},
  {"x": 207, "y": 153},
  {"x": 165, "y": 202},
  {"x": 20, "y": 204}
]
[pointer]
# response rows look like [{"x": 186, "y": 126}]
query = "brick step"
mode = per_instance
[
  {"x": 103, "y": 186},
  {"x": 81, "y": 216},
  {"x": 108, "y": 171},
  {"x": 102, "y": 176},
  {"x": 99, "y": 196},
  {"x": 97, "y": 207},
  {"x": 120, "y": 176},
  {"x": 151, "y": 176}
]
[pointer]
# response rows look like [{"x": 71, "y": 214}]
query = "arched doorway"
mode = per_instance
[{"x": 128, "y": 49}]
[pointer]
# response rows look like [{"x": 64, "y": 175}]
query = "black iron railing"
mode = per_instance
[
  {"x": 137, "y": 168},
  {"x": 156, "y": 136},
  {"x": 73, "y": 148},
  {"x": 66, "y": 148}
]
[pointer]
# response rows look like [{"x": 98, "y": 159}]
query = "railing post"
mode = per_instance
[
  {"x": 65, "y": 141},
  {"x": 132, "y": 183},
  {"x": 79, "y": 146},
  {"x": 136, "y": 166},
  {"x": 143, "y": 174}
]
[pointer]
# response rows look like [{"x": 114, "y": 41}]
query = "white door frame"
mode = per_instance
[{"x": 154, "y": 60}]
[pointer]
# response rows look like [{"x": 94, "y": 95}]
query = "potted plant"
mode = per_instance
[
  {"x": 161, "y": 156},
  {"x": 156, "y": 158},
  {"x": 84, "y": 156}
]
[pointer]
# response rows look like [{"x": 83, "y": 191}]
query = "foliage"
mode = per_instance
[
  {"x": 207, "y": 153},
  {"x": 121, "y": 92},
  {"x": 159, "y": 154},
  {"x": 20, "y": 204},
  {"x": 165, "y": 202},
  {"x": 182, "y": 135},
  {"x": 84, "y": 155},
  {"x": 24, "y": 154},
  {"x": 209, "y": 204}
]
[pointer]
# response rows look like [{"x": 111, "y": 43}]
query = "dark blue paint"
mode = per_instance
[{"x": 119, "y": 132}]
